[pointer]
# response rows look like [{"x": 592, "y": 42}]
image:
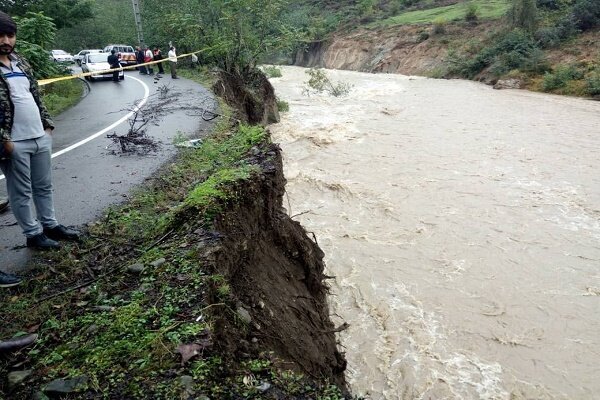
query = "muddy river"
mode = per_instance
[{"x": 462, "y": 225}]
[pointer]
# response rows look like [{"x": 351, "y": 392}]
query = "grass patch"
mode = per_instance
[
  {"x": 59, "y": 96},
  {"x": 486, "y": 9}
]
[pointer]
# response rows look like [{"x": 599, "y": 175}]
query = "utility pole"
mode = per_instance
[{"x": 138, "y": 22}]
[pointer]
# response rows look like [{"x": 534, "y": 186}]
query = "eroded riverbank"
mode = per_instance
[{"x": 463, "y": 227}]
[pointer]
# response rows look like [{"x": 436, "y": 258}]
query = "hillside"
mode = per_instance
[{"x": 552, "y": 47}]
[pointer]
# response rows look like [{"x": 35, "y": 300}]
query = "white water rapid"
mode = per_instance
[{"x": 462, "y": 225}]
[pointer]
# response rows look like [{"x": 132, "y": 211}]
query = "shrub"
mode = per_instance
[
  {"x": 560, "y": 77},
  {"x": 471, "y": 12},
  {"x": 548, "y": 37},
  {"x": 319, "y": 82},
  {"x": 549, "y": 4},
  {"x": 439, "y": 26},
  {"x": 523, "y": 14},
  {"x": 587, "y": 14},
  {"x": 423, "y": 36},
  {"x": 283, "y": 106},
  {"x": 593, "y": 84},
  {"x": 272, "y": 72}
]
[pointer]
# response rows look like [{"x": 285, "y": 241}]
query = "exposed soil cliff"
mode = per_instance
[
  {"x": 276, "y": 272},
  {"x": 425, "y": 49}
]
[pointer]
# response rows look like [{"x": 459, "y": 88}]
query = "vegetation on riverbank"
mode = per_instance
[{"x": 134, "y": 311}]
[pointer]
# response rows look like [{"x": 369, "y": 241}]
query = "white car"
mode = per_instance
[
  {"x": 95, "y": 62},
  {"x": 79, "y": 56},
  {"x": 61, "y": 56}
]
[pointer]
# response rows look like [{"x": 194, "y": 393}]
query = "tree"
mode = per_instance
[
  {"x": 523, "y": 14},
  {"x": 36, "y": 33},
  {"x": 587, "y": 14},
  {"x": 65, "y": 13},
  {"x": 234, "y": 34}
]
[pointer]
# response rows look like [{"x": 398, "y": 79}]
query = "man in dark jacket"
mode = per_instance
[
  {"x": 26, "y": 138},
  {"x": 139, "y": 57},
  {"x": 113, "y": 61}
]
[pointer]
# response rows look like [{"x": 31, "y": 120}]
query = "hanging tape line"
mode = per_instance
[{"x": 43, "y": 82}]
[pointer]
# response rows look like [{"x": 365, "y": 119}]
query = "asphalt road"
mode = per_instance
[{"x": 89, "y": 171}]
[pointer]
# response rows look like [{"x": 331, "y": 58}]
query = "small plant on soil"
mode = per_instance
[
  {"x": 272, "y": 71},
  {"x": 319, "y": 82},
  {"x": 283, "y": 106}
]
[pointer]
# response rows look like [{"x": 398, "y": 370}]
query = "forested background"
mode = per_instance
[{"x": 235, "y": 35}]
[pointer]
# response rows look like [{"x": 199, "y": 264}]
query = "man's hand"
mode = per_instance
[
  {"x": 49, "y": 131},
  {"x": 8, "y": 148}
]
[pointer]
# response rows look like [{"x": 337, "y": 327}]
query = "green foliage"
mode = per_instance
[
  {"x": 112, "y": 22},
  {"x": 523, "y": 15},
  {"x": 593, "y": 83},
  {"x": 319, "y": 82},
  {"x": 507, "y": 51},
  {"x": 283, "y": 106},
  {"x": 59, "y": 96},
  {"x": 64, "y": 13},
  {"x": 366, "y": 7},
  {"x": 35, "y": 35},
  {"x": 439, "y": 26},
  {"x": 560, "y": 77},
  {"x": 234, "y": 34},
  {"x": 486, "y": 9},
  {"x": 471, "y": 12},
  {"x": 36, "y": 28},
  {"x": 272, "y": 71},
  {"x": 587, "y": 14}
]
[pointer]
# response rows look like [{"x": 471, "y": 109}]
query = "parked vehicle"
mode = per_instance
[
  {"x": 92, "y": 62},
  {"x": 79, "y": 56},
  {"x": 61, "y": 56},
  {"x": 125, "y": 53}
]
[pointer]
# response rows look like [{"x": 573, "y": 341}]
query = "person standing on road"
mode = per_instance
[
  {"x": 158, "y": 57},
  {"x": 139, "y": 57},
  {"x": 149, "y": 57},
  {"x": 25, "y": 135},
  {"x": 113, "y": 61},
  {"x": 173, "y": 62}
]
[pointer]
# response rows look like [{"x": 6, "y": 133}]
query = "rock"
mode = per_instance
[
  {"x": 16, "y": 377},
  {"x": 264, "y": 387},
  {"x": 137, "y": 268},
  {"x": 40, "y": 396},
  {"x": 244, "y": 315},
  {"x": 158, "y": 263},
  {"x": 60, "y": 386},
  {"x": 187, "y": 382},
  {"x": 508, "y": 84}
]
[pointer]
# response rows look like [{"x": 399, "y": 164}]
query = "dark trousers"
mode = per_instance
[
  {"x": 143, "y": 70},
  {"x": 115, "y": 77},
  {"x": 161, "y": 69},
  {"x": 173, "y": 69}
]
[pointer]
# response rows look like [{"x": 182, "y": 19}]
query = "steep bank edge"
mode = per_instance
[{"x": 276, "y": 272}]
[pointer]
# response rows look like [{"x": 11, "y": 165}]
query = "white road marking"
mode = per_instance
[{"x": 108, "y": 128}]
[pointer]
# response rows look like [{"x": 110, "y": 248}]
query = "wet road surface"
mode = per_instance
[{"x": 91, "y": 177}]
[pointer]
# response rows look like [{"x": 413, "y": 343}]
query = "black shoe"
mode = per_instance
[
  {"x": 61, "y": 232},
  {"x": 42, "y": 242},
  {"x": 8, "y": 280},
  {"x": 3, "y": 205}
]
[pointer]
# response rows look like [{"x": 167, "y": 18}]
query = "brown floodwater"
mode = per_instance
[{"x": 462, "y": 225}]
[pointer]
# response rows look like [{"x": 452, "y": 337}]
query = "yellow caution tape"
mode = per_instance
[{"x": 43, "y": 82}]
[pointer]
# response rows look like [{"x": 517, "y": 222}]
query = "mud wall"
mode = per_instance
[
  {"x": 276, "y": 273},
  {"x": 409, "y": 49}
]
